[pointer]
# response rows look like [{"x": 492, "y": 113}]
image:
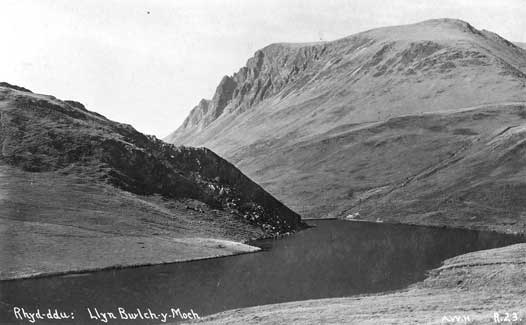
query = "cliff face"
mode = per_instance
[
  {"x": 270, "y": 71},
  {"x": 353, "y": 125},
  {"x": 43, "y": 134}
]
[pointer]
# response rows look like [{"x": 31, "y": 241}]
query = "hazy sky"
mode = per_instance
[{"x": 147, "y": 63}]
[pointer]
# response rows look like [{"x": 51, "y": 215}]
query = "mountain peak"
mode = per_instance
[
  {"x": 451, "y": 23},
  {"x": 446, "y": 21},
  {"x": 442, "y": 29}
]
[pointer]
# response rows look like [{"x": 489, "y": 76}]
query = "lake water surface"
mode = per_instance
[{"x": 335, "y": 258}]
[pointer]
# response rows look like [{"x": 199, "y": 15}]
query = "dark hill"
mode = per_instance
[{"x": 52, "y": 150}]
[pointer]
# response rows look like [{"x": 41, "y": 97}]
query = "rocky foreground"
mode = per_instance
[
  {"x": 79, "y": 192},
  {"x": 467, "y": 289}
]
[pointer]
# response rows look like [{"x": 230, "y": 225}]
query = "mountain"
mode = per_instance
[
  {"x": 420, "y": 123},
  {"x": 523, "y": 45},
  {"x": 79, "y": 192}
]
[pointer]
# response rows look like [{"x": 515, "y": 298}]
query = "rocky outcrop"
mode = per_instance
[
  {"x": 40, "y": 133},
  {"x": 268, "y": 72}
]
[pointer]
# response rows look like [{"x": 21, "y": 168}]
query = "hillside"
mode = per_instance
[
  {"x": 80, "y": 192},
  {"x": 420, "y": 123}
]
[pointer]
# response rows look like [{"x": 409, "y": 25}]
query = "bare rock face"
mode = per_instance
[
  {"x": 40, "y": 133},
  {"x": 268, "y": 72},
  {"x": 197, "y": 114},
  {"x": 348, "y": 126}
]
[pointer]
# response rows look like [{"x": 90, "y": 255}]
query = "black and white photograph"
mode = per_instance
[{"x": 262, "y": 162}]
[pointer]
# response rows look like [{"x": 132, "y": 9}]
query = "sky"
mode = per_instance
[{"x": 148, "y": 63}]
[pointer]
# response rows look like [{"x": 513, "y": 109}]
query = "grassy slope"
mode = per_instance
[
  {"x": 81, "y": 192},
  {"x": 51, "y": 223},
  {"x": 430, "y": 169},
  {"x": 475, "y": 285}
]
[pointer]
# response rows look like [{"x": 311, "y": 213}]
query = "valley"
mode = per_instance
[{"x": 376, "y": 178}]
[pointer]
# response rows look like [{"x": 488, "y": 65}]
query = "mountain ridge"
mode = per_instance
[
  {"x": 305, "y": 53},
  {"x": 349, "y": 125}
]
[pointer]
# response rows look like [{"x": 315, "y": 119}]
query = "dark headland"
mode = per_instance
[{"x": 79, "y": 192}]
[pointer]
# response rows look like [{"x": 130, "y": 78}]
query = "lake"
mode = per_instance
[{"x": 333, "y": 259}]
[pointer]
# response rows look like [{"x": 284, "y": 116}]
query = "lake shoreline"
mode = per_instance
[
  {"x": 245, "y": 247},
  {"x": 458, "y": 288},
  {"x": 485, "y": 228},
  {"x": 361, "y": 259}
]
